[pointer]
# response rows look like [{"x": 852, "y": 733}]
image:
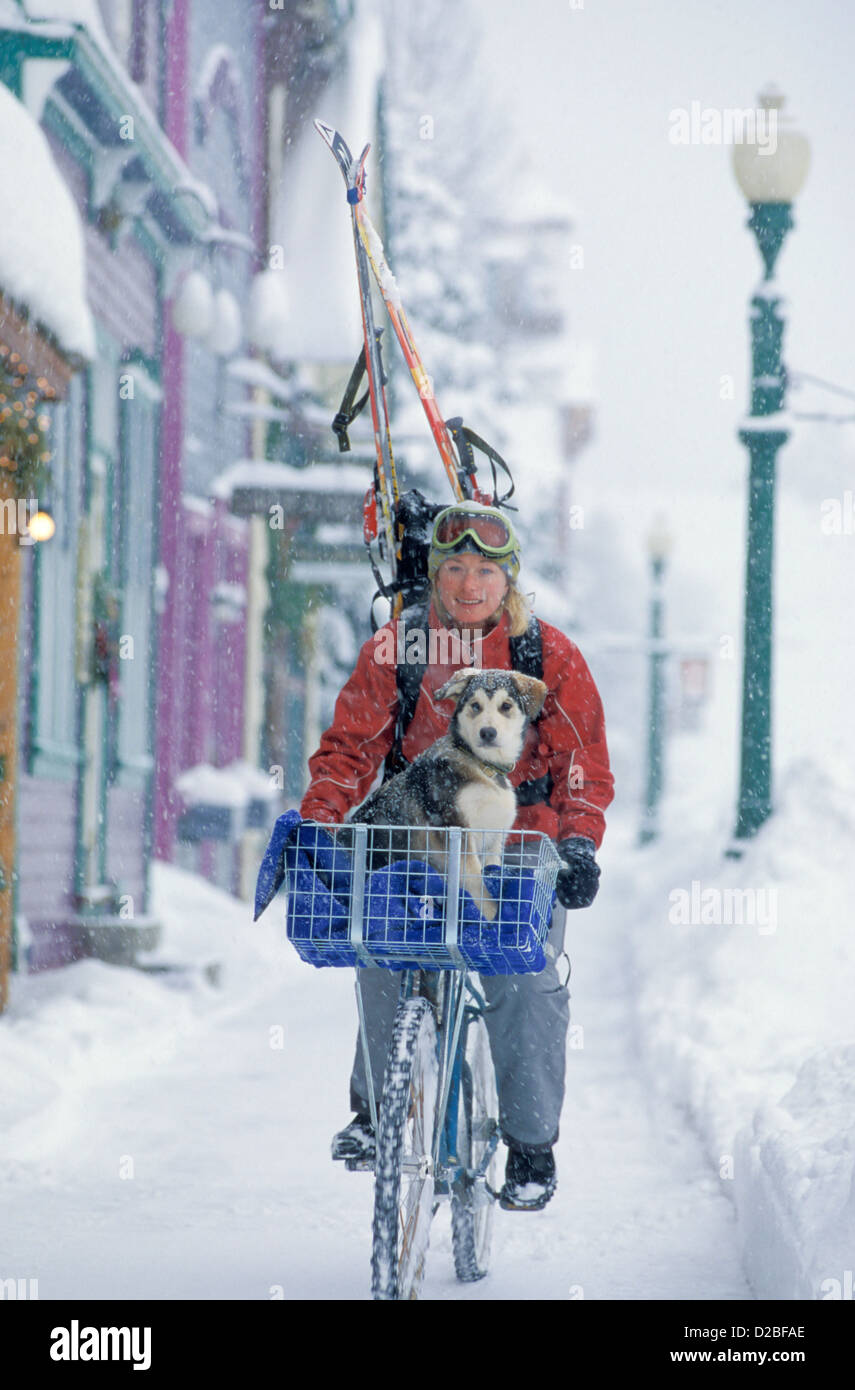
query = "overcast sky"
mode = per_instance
[{"x": 668, "y": 262}]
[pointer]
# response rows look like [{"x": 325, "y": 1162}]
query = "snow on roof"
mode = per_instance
[
  {"x": 61, "y": 18},
  {"x": 311, "y": 217},
  {"x": 200, "y": 505},
  {"x": 42, "y": 254},
  {"x": 318, "y": 477},
  {"x": 326, "y": 572},
  {"x": 205, "y": 785},
  {"x": 257, "y": 373},
  {"x": 235, "y": 785},
  {"x": 258, "y": 410},
  {"x": 84, "y": 12},
  {"x": 258, "y": 784}
]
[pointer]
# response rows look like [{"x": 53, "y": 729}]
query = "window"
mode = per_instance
[{"x": 53, "y": 689}]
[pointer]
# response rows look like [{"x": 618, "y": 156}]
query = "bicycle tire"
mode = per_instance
[
  {"x": 404, "y": 1180},
  {"x": 472, "y": 1206}
]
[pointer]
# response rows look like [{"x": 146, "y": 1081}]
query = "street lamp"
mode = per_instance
[
  {"x": 659, "y": 543},
  {"x": 771, "y": 176}
]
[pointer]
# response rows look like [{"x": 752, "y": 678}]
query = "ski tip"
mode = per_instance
[{"x": 327, "y": 132}]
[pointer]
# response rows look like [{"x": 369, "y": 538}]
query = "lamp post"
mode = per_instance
[
  {"x": 659, "y": 543},
  {"x": 771, "y": 176}
]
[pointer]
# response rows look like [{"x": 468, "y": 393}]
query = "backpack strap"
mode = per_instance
[
  {"x": 527, "y": 657},
  {"x": 527, "y": 651},
  {"x": 408, "y": 678}
]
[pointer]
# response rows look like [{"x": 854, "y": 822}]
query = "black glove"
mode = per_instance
[{"x": 579, "y": 880}]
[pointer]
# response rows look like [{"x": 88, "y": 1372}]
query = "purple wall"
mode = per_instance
[
  {"x": 171, "y": 635},
  {"x": 202, "y": 658},
  {"x": 230, "y": 657}
]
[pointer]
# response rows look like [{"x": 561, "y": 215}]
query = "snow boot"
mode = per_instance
[
  {"x": 529, "y": 1181},
  {"x": 356, "y": 1140}
]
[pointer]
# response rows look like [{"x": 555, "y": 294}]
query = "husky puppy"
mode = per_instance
[{"x": 462, "y": 779}]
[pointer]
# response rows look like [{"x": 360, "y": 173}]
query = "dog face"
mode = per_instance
[{"x": 493, "y": 711}]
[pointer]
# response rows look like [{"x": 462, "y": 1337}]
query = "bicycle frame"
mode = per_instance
[{"x": 447, "y": 992}]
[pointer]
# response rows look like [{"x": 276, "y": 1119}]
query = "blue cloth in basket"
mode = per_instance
[
  {"x": 404, "y": 907},
  {"x": 271, "y": 874},
  {"x": 320, "y": 879},
  {"x": 319, "y": 874}
]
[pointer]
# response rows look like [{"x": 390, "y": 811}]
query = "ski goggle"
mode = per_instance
[{"x": 487, "y": 530}]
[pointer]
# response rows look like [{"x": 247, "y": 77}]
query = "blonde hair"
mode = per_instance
[
  {"x": 515, "y": 604},
  {"x": 518, "y": 610}
]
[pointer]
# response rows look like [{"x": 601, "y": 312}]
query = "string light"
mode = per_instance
[{"x": 23, "y": 450}]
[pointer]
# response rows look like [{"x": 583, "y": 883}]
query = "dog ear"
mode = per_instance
[
  {"x": 456, "y": 686},
  {"x": 533, "y": 693}
]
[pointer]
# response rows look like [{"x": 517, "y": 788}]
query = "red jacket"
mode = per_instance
[{"x": 568, "y": 740}]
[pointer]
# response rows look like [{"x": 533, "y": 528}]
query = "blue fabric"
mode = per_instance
[
  {"x": 271, "y": 874},
  {"x": 404, "y": 906},
  {"x": 318, "y": 921}
]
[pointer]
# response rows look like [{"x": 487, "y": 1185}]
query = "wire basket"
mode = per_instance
[{"x": 409, "y": 896}]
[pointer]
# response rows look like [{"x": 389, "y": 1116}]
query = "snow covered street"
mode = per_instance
[
  {"x": 166, "y": 1132},
  {"x": 164, "y": 1145}
]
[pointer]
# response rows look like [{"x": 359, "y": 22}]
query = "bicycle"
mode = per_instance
[{"x": 374, "y": 897}]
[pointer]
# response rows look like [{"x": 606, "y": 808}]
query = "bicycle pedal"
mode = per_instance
[
  {"x": 508, "y": 1204},
  {"x": 359, "y": 1165}
]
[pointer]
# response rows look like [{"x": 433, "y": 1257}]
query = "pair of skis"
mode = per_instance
[{"x": 371, "y": 259}]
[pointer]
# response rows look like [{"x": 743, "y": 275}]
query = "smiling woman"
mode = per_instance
[
  {"x": 471, "y": 590},
  {"x": 556, "y": 779}
]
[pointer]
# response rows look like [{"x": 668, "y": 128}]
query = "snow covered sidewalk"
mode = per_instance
[{"x": 168, "y": 1136}]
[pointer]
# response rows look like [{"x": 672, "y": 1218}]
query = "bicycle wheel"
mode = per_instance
[
  {"x": 404, "y": 1181},
  {"x": 471, "y": 1202}
]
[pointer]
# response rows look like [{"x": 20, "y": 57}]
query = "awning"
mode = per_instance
[
  {"x": 317, "y": 493},
  {"x": 102, "y": 96}
]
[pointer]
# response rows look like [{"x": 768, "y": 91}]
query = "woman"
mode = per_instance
[{"x": 563, "y": 786}]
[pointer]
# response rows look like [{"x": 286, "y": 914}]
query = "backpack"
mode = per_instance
[{"x": 526, "y": 657}]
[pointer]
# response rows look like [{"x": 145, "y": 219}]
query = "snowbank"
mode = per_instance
[
  {"x": 794, "y": 1185},
  {"x": 69, "y": 1032},
  {"x": 745, "y": 976}
]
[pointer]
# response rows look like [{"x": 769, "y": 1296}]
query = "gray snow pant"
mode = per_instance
[{"x": 527, "y": 1018}]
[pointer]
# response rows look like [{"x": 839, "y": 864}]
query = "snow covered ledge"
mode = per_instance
[
  {"x": 42, "y": 255},
  {"x": 744, "y": 973},
  {"x": 795, "y": 1184}
]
